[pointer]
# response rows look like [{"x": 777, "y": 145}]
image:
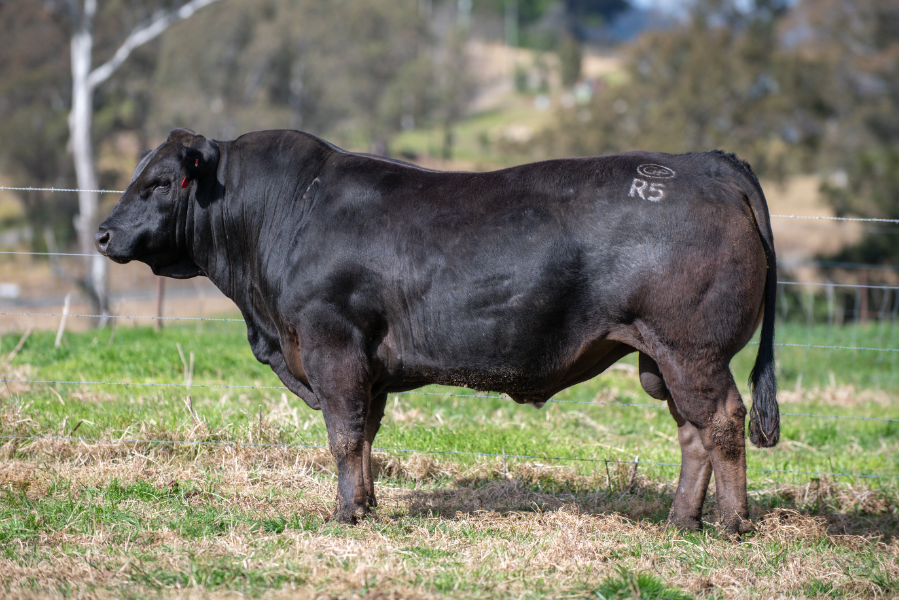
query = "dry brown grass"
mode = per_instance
[
  {"x": 844, "y": 396},
  {"x": 9, "y": 388},
  {"x": 493, "y": 530}
]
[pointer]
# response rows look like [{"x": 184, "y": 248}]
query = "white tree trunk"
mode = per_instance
[
  {"x": 81, "y": 146},
  {"x": 84, "y": 82}
]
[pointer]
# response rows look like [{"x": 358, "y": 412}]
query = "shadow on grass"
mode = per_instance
[
  {"x": 838, "y": 510},
  {"x": 507, "y": 495},
  {"x": 852, "y": 510}
]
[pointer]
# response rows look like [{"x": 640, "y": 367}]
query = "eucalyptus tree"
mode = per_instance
[{"x": 140, "y": 22}]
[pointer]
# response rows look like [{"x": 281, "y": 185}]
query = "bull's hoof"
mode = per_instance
[
  {"x": 683, "y": 523},
  {"x": 349, "y": 514},
  {"x": 736, "y": 526},
  {"x": 344, "y": 518}
]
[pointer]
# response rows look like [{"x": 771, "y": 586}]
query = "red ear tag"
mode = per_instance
[{"x": 186, "y": 181}]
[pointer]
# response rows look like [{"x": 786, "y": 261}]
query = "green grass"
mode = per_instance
[
  {"x": 450, "y": 419},
  {"x": 641, "y": 586},
  {"x": 138, "y": 519},
  {"x": 476, "y": 138}
]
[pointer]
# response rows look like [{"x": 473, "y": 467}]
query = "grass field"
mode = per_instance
[{"x": 231, "y": 498}]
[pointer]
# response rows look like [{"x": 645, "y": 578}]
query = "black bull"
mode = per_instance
[{"x": 360, "y": 276}]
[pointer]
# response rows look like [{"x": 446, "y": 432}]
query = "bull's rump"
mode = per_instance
[{"x": 520, "y": 280}]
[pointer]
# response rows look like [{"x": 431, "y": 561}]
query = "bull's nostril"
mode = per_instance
[{"x": 102, "y": 240}]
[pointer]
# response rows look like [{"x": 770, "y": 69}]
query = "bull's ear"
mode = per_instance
[
  {"x": 182, "y": 135},
  {"x": 201, "y": 157}
]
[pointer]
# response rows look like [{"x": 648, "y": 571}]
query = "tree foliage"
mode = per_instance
[
  {"x": 34, "y": 97},
  {"x": 718, "y": 81},
  {"x": 863, "y": 49},
  {"x": 861, "y": 150},
  {"x": 353, "y": 70},
  {"x": 810, "y": 87},
  {"x": 356, "y": 71}
]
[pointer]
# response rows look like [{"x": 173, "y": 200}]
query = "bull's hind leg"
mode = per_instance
[
  {"x": 725, "y": 440},
  {"x": 695, "y": 472},
  {"x": 372, "y": 425},
  {"x": 710, "y": 405},
  {"x": 695, "y": 468}
]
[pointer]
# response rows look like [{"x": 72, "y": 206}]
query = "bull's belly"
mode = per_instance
[{"x": 526, "y": 379}]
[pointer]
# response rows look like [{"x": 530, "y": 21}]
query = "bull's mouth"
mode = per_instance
[
  {"x": 104, "y": 250},
  {"x": 183, "y": 269},
  {"x": 103, "y": 241},
  {"x": 160, "y": 265},
  {"x": 122, "y": 260}
]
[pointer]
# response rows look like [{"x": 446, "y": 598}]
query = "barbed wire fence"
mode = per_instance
[
  {"x": 537, "y": 457},
  {"x": 887, "y": 290}
]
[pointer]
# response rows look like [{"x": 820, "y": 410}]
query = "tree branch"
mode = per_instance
[{"x": 141, "y": 36}]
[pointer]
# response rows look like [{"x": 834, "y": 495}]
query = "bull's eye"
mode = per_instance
[{"x": 162, "y": 185}]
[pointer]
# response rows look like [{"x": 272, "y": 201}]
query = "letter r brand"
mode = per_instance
[{"x": 637, "y": 188}]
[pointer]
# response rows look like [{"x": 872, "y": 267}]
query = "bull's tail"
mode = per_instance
[{"x": 764, "y": 417}]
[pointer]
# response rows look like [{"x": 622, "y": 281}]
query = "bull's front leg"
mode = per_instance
[
  {"x": 345, "y": 416},
  {"x": 340, "y": 376}
]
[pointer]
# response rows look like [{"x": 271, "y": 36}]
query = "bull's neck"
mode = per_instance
[{"x": 254, "y": 205}]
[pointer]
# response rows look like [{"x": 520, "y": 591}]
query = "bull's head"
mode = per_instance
[{"x": 149, "y": 223}]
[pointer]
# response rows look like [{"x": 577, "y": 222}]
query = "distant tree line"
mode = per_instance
[
  {"x": 791, "y": 87},
  {"x": 357, "y": 71},
  {"x": 807, "y": 86}
]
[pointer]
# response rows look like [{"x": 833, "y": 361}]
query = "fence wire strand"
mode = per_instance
[
  {"x": 782, "y": 263},
  {"x": 819, "y": 346},
  {"x": 442, "y": 452},
  {"x": 809, "y": 217},
  {"x": 26, "y": 314},
  {"x": 841, "y": 285},
  {"x": 409, "y": 393},
  {"x": 55, "y": 189},
  {"x": 854, "y": 219},
  {"x": 21, "y": 314},
  {"x": 504, "y": 455},
  {"x": 49, "y": 253}
]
